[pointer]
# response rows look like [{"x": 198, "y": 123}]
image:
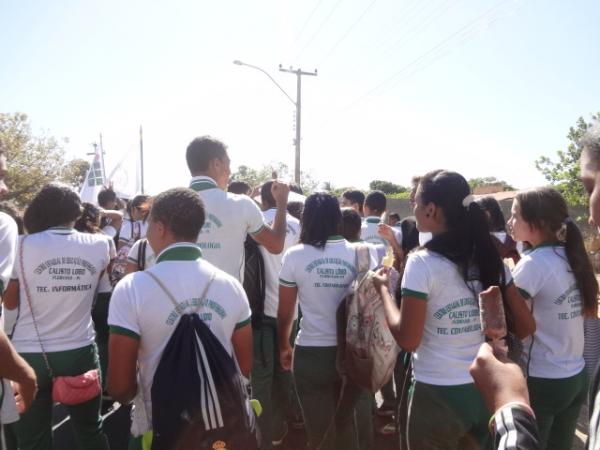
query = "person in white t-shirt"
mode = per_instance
[
  {"x": 354, "y": 199},
  {"x": 556, "y": 275},
  {"x": 374, "y": 207},
  {"x": 318, "y": 273},
  {"x": 439, "y": 316},
  {"x": 140, "y": 257},
  {"x": 55, "y": 277},
  {"x": 142, "y": 317},
  {"x": 13, "y": 368},
  {"x": 230, "y": 217},
  {"x": 112, "y": 218},
  {"x": 271, "y": 385}
]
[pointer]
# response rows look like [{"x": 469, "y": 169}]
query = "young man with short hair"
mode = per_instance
[
  {"x": 142, "y": 317},
  {"x": 230, "y": 217},
  {"x": 353, "y": 199},
  {"x": 374, "y": 207}
]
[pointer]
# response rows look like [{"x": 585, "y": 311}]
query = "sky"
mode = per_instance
[{"x": 403, "y": 86}]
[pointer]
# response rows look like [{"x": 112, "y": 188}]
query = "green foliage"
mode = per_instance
[
  {"x": 399, "y": 195},
  {"x": 74, "y": 173},
  {"x": 564, "y": 173},
  {"x": 34, "y": 160},
  {"x": 387, "y": 187},
  {"x": 489, "y": 181},
  {"x": 256, "y": 177}
]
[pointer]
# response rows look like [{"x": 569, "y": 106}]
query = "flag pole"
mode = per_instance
[
  {"x": 142, "y": 159},
  {"x": 104, "y": 181}
]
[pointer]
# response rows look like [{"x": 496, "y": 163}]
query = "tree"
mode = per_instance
[
  {"x": 387, "y": 187},
  {"x": 489, "y": 181},
  {"x": 34, "y": 160},
  {"x": 256, "y": 177},
  {"x": 564, "y": 173},
  {"x": 74, "y": 172}
]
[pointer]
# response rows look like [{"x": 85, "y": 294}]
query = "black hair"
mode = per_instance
[
  {"x": 139, "y": 201},
  {"x": 351, "y": 224},
  {"x": 296, "y": 188},
  {"x": 355, "y": 197},
  {"x": 266, "y": 195},
  {"x": 181, "y": 210},
  {"x": 201, "y": 151},
  {"x": 106, "y": 195},
  {"x": 546, "y": 210},
  {"x": 14, "y": 212},
  {"x": 394, "y": 215},
  {"x": 239, "y": 187},
  {"x": 590, "y": 142},
  {"x": 54, "y": 205},
  {"x": 410, "y": 234},
  {"x": 376, "y": 202},
  {"x": 467, "y": 241},
  {"x": 89, "y": 221},
  {"x": 321, "y": 219},
  {"x": 496, "y": 220},
  {"x": 295, "y": 209}
]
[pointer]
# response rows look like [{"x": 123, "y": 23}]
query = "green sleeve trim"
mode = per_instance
[
  {"x": 524, "y": 293},
  {"x": 254, "y": 233},
  {"x": 287, "y": 283},
  {"x": 416, "y": 294},
  {"x": 510, "y": 283},
  {"x": 1, "y": 287},
  {"x": 132, "y": 260},
  {"x": 115, "y": 329},
  {"x": 242, "y": 324}
]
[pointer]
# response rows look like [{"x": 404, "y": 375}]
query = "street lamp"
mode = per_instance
[{"x": 296, "y": 103}]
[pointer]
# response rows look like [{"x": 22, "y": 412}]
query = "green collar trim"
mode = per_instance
[
  {"x": 203, "y": 183},
  {"x": 335, "y": 238},
  {"x": 544, "y": 244},
  {"x": 373, "y": 219},
  {"x": 182, "y": 251}
]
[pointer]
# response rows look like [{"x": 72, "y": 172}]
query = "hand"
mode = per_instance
[
  {"x": 386, "y": 232},
  {"x": 280, "y": 192},
  {"x": 381, "y": 279},
  {"x": 286, "y": 357},
  {"x": 499, "y": 380},
  {"x": 25, "y": 391}
]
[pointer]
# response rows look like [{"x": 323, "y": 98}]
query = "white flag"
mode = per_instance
[
  {"x": 125, "y": 177},
  {"x": 94, "y": 180}
]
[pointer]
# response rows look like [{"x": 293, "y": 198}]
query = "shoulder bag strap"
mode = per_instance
[
  {"x": 178, "y": 308},
  {"x": 28, "y": 298}
]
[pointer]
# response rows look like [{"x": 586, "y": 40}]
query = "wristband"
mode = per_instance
[{"x": 519, "y": 405}]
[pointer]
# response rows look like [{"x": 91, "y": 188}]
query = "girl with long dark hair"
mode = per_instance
[
  {"x": 318, "y": 272},
  {"x": 438, "y": 319},
  {"x": 556, "y": 276}
]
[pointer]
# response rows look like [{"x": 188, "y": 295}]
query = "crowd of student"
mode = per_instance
[{"x": 88, "y": 287}]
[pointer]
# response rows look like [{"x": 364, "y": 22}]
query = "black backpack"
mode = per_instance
[
  {"x": 199, "y": 401},
  {"x": 254, "y": 280}
]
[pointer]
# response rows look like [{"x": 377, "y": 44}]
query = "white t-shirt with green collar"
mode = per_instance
[
  {"x": 62, "y": 269},
  {"x": 140, "y": 309},
  {"x": 228, "y": 219},
  {"x": 323, "y": 277},
  {"x": 134, "y": 253},
  {"x": 452, "y": 333},
  {"x": 8, "y": 248},
  {"x": 544, "y": 276},
  {"x": 369, "y": 232},
  {"x": 273, "y": 262}
]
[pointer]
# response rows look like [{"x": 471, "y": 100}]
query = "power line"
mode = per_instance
[
  {"x": 427, "y": 53},
  {"x": 312, "y": 13},
  {"x": 347, "y": 32},
  {"x": 319, "y": 29}
]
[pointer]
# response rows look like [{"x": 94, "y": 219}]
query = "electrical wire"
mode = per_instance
[
  {"x": 347, "y": 32},
  {"x": 312, "y": 13},
  {"x": 316, "y": 33}
]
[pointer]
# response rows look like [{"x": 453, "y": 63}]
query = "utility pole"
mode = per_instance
[{"x": 298, "y": 104}]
